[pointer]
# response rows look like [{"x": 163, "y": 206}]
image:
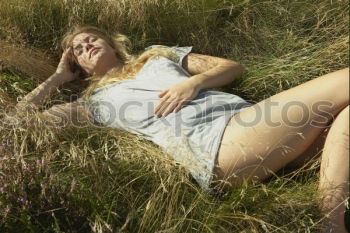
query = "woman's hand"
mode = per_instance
[
  {"x": 176, "y": 96},
  {"x": 63, "y": 71}
]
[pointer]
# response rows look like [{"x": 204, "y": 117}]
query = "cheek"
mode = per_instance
[
  {"x": 107, "y": 49},
  {"x": 101, "y": 57}
]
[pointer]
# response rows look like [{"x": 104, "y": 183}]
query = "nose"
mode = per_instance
[{"x": 88, "y": 46}]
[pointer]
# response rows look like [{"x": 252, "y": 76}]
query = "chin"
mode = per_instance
[{"x": 102, "y": 63}]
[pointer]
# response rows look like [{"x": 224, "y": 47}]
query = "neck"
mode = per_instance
[{"x": 116, "y": 64}]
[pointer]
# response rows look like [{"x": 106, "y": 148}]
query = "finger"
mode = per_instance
[
  {"x": 162, "y": 93},
  {"x": 67, "y": 53},
  {"x": 164, "y": 105},
  {"x": 170, "y": 108},
  {"x": 69, "y": 49},
  {"x": 64, "y": 57},
  {"x": 179, "y": 106},
  {"x": 159, "y": 113},
  {"x": 160, "y": 103}
]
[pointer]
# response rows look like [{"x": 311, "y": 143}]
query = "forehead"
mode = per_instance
[{"x": 81, "y": 37}]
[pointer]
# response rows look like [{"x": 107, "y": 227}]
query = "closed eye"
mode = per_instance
[{"x": 78, "y": 50}]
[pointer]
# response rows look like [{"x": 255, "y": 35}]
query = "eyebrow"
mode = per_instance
[{"x": 85, "y": 39}]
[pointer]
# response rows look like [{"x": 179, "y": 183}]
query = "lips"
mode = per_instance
[{"x": 93, "y": 51}]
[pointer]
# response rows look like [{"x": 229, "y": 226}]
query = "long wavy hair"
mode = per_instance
[{"x": 122, "y": 45}]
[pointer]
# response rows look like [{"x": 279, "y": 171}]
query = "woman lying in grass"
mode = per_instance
[{"x": 164, "y": 95}]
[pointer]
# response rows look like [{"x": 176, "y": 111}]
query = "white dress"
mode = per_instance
[{"x": 191, "y": 136}]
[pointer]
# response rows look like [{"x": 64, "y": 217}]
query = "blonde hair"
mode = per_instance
[{"x": 122, "y": 45}]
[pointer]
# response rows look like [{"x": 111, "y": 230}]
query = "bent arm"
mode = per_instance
[
  {"x": 69, "y": 114},
  {"x": 209, "y": 71},
  {"x": 41, "y": 93},
  {"x": 62, "y": 75}
]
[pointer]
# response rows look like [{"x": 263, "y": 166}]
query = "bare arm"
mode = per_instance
[
  {"x": 209, "y": 71},
  {"x": 41, "y": 93},
  {"x": 69, "y": 114},
  {"x": 59, "y": 116},
  {"x": 62, "y": 75}
]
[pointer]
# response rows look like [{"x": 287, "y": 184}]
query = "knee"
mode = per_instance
[
  {"x": 341, "y": 127},
  {"x": 344, "y": 115},
  {"x": 345, "y": 75},
  {"x": 342, "y": 82},
  {"x": 342, "y": 121}
]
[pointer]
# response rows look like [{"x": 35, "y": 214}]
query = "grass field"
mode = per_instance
[{"x": 106, "y": 180}]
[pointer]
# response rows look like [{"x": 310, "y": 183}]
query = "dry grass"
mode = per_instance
[{"x": 105, "y": 180}]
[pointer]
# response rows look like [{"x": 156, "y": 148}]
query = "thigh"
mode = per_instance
[
  {"x": 313, "y": 151},
  {"x": 265, "y": 137}
]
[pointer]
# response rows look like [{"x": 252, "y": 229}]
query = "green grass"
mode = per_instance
[{"x": 105, "y": 180}]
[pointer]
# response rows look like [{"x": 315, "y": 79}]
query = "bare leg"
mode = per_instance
[
  {"x": 253, "y": 152},
  {"x": 334, "y": 176},
  {"x": 313, "y": 151}
]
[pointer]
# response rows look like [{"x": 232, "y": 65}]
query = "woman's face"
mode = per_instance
[{"x": 94, "y": 54}]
